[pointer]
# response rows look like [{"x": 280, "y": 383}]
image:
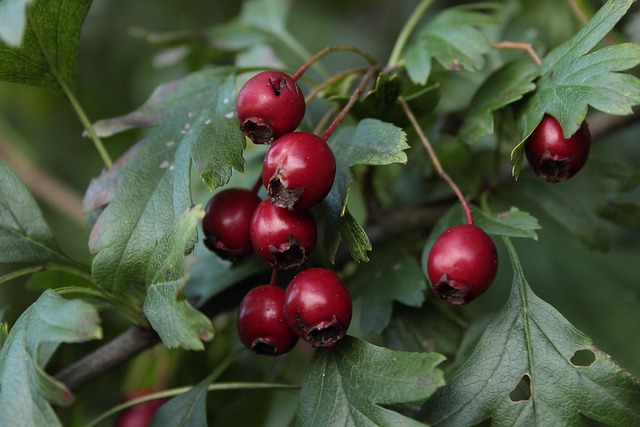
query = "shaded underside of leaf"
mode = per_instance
[
  {"x": 24, "y": 235},
  {"x": 348, "y": 385}
]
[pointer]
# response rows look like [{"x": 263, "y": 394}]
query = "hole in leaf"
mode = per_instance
[
  {"x": 522, "y": 391},
  {"x": 583, "y": 358}
]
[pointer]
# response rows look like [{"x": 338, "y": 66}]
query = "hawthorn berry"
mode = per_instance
[
  {"x": 226, "y": 222},
  {"x": 261, "y": 324},
  {"x": 553, "y": 156},
  {"x": 298, "y": 170},
  {"x": 462, "y": 264},
  {"x": 317, "y": 307},
  {"x": 269, "y": 105},
  {"x": 282, "y": 237}
]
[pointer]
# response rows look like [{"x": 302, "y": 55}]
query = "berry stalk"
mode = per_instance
[
  {"x": 327, "y": 50},
  {"x": 435, "y": 161}
]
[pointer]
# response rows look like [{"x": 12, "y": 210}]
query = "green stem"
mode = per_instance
[
  {"x": 177, "y": 391},
  {"x": 406, "y": 31},
  {"x": 38, "y": 268},
  {"x": 72, "y": 99}
]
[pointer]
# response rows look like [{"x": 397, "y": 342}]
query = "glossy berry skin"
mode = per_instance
[
  {"x": 141, "y": 414},
  {"x": 462, "y": 264},
  {"x": 261, "y": 325},
  {"x": 318, "y": 307},
  {"x": 298, "y": 170},
  {"x": 554, "y": 157},
  {"x": 269, "y": 105},
  {"x": 226, "y": 222},
  {"x": 282, "y": 237}
]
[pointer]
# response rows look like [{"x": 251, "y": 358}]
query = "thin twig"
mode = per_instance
[{"x": 527, "y": 47}]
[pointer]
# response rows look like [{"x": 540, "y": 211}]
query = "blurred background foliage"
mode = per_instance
[{"x": 128, "y": 48}]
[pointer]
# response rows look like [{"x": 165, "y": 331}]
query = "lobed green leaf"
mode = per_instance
[
  {"x": 26, "y": 390},
  {"x": 533, "y": 368},
  {"x": 349, "y": 384},
  {"x": 572, "y": 79},
  {"x": 188, "y": 409},
  {"x": 46, "y": 54}
]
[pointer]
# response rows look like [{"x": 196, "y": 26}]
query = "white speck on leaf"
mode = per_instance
[
  {"x": 164, "y": 165},
  {"x": 229, "y": 115}
]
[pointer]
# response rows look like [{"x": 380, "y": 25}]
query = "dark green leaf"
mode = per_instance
[
  {"x": 47, "y": 55},
  {"x": 140, "y": 197},
  {"x": 26, "y": 390},
  {"x": 4, "y": 329},
  {"x": 347, "y": 385},
  {"x": 210, "y": 274},
  {"x": 513, "y": 223},
  {"x": 371, "y": 142},
  {"x": 454, "y": 38},
  {"x": 505, "y": 86},
  {"x": 176, "y": 321},
  {"x": 24, "y": 235},
  {"x": 622, "y": 212},
  {"x": 188, "y": 409},
  {"x": 392, "y": 275},
  {"x": 533, "y": 368},
  {"x": 572, "y": 78}
]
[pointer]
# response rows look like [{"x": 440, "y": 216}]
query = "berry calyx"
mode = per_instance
[
  {"x": 269, "y": 105},
  {"x": 226, "y": 223},
  {"x": 282, "y": 237},
  {"x": 261, "y": 324},
  {"x": 318, "y": 307},
  {"x": 553, "y": 156},
  {"x": 298, "y": 170},
  {"x": 462, "y": 264}
]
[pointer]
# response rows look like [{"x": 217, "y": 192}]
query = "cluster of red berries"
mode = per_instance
[{"x": 298, "y": 172}]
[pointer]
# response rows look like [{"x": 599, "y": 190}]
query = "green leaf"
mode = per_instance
[
  {"x": 572, "y": 78},
  {"x": 188, "y": 409},
  {"x": 347, "y": 385},
  {"x": 371, "y": 142},
  {"x": 140, "y": 197},
  {"x": 13, "y": 18},
  {"x": 47, "y": 55},
  {"x": 176, "y": 321},
  {"x": 392, "y": 275},
  {"x": 533, "y": 368},
  {"x": 454, "y": 38},
  {"x": 4, "y": 329},
  {"x": 505, "y": 86},
  {"x": 26, "y": 390},
  {"x": 24, "y": 235},
  {"x": 513, "y": 223}
]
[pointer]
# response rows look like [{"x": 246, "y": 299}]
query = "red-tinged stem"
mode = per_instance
[
  {"x": 336, "y": 77},
  {"x": 519, "y": 46},
  {"x": 435, "y": 161},
  {"x": 327, "y": 50},
  {"x": 274, "y": 276},
  {"x": 352, "y": 100}
]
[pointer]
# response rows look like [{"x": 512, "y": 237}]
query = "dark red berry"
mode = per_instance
[
  {"x": 226, "y": 222},
  {"x": 261, "y": 324},
  {"x": 269, "y": 105},
  {"x": 282, "y": 237},
  {"x": 317, "y": 307},
  {"x": 141, "y": 414},
  {"x": 553, "y": 156},
  {"x": 298, "y": 170},
  {"x": 462, "y": 264}
]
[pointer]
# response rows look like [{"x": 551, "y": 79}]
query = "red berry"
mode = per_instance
[
  {"x": 317, "y": 307},
  {"x": 462, "y": 264},
  {"x": 139, "y": 415},
  {"x": 282, "y": 237},
  {"x": 226, "y": 222},
  {"x": 553, "y": 156},
  {"x": 261, "y": 325},
  {"x": 269, "y": 105},
  {"x": 298, "y": 170}
]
